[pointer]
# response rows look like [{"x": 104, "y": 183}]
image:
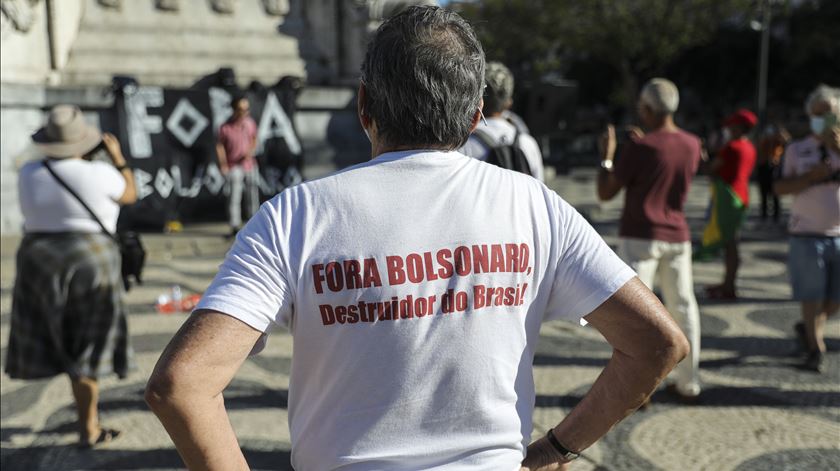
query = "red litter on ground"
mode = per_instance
[{"x": 175, "y": 301}]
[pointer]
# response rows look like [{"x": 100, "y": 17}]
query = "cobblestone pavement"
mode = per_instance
[{"x": 758, "y": 410}]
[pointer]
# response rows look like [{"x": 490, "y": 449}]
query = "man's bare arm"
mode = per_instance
[
  {"x": 221, "y": 155},
  {"x": 185, "y": 389},
  {"x": 607, "y": 184},
  {"x": 647, "y": 344},
  {"x": 799, "y": 183}
]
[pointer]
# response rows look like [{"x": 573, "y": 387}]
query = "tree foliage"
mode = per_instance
[{"x": 610, "y": 46}]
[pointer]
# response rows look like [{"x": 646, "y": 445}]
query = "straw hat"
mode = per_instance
[{"x": 66, "y": 133}]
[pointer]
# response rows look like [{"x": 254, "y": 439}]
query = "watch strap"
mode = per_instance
[{"x": 567, "y": 454}]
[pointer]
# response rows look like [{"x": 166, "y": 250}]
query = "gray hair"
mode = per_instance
[
  {"x": 499, "y": 91},
  {"x": 423, "y": 75},
  {"x": 661, "y": 95},
  {"x": 824, "y": 94}
]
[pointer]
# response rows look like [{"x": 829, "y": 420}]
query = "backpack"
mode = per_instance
[{"x": 509, "y": 156}]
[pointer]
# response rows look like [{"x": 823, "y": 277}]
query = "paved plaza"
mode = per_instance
[{"x": 758, "y": 411}]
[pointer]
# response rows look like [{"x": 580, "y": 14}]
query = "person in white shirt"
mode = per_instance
[
  {"x": 500, "y": 128},
  {"x": 811, "y": 173},
  {"x": 68, "y": 311},
  {"x": 414, "y": 286}
]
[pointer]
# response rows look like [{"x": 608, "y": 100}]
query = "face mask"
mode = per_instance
[
  {"x": 817, "y": 124},
  {"x": 727, "y": 135}
]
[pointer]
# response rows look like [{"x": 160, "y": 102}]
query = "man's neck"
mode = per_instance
[
  {"x": 666, "y": 124},
  {"x": 376, "y": 151}
]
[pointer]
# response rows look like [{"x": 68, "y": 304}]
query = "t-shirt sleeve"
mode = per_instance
[
  {"x": 222, "y": 136},
  {"x": 588, "y": 272},
  {"x": 252, "y": 129},
  {"x": 627, "y": 162},
  {"x": 789, "y": 161},
  {"x": 252, "y": 282},
  {"x": 111, "y": 181}
]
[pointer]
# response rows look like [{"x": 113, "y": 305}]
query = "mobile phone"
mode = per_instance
[{"x": 96, "y": 151}]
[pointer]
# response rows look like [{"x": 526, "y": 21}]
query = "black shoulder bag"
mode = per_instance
[{"x": 131, "y": 247}]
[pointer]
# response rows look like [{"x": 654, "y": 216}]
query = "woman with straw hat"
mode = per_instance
[{"x": 68, "y": 313}]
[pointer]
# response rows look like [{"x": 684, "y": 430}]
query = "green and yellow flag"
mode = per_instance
[{"x": 727, "y": 213}]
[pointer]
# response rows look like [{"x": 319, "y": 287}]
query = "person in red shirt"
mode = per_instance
[
  {"x": 235, "y": 149},
  {"x": 733, "y": 165}
]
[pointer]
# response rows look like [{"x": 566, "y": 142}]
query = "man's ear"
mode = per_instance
[
  {"x": 477, "y": 116},
  {"x": 361, "y": 101}
]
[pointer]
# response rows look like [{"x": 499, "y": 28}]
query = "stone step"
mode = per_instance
[{"x": 234, "y": 45}]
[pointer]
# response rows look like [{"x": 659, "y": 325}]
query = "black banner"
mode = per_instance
[{"x": 169, "y": 139}]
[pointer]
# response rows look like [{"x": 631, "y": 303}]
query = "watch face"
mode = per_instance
[{"x": 571, "y": 456}]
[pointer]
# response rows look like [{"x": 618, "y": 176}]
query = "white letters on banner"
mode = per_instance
[
  {"x": 139, "y": 124},
  {"x": 220, "y": 106},
  {"x": 275, "y": 123},
  {"x": 186, "y": 123}
]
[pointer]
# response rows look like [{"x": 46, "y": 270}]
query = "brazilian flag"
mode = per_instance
[{"x": 727, "y": 212}]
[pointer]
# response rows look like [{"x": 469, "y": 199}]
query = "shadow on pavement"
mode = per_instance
[{"x": 113, "y": 459}]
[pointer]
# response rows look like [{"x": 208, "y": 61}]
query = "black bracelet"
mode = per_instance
[
  {"x": 121, "y": 168},
  {"x": 567, "y": 454}
]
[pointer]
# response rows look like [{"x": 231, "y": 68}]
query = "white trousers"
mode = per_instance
[
  {"x": 241, "y": 182},
  {"x": 672, "y": 262}
]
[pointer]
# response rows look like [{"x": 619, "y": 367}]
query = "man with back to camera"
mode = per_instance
[
  {"x": 656, "y": 170},
  {"x": 414, "y": 286},
  {"x": 500, "y": 127}
]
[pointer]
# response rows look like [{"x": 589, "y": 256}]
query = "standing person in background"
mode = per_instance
[
  {"x": 811, "y": 172},
  {"x": 376, "y": 383},
  {"x": 501, "y": 128},
  {"x": 68, "y": 311},
  {"x": 771, "y": 147},
  {"x": 235, "y": 149},
  {"x": 731, "y": 170},
  {"x": 656, "y": 170}
]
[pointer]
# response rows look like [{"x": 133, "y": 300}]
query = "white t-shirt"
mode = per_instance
[
  {"x": 816, "y": 210},
  {"x": 472, "y": 258},
  {"x": 48, "y": 207},
  {"x": 502, "y": 131}
]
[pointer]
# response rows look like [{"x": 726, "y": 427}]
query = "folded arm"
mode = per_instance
[
  {"x": 185, "y": 389},
  {"x": 647, "y": 344}
]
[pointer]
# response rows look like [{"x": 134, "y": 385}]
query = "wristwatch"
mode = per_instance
[
  {"x": 565, "y": 453},
  {"x": 607, "y": 165}
]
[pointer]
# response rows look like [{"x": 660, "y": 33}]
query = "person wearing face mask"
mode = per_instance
[
  {"x": 237, "y": 142},
  {"x": 811, "y": 173},
  {"x": 731, "y": 171}
]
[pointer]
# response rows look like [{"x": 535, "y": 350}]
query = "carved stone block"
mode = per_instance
[
  {"x": 225, "y": 7},
  {"x": 276, "y": 7},
  {"x": 20, "y": 14},
  {"x": 115, "y": 4},
  {"x": 168, "y": 5}
]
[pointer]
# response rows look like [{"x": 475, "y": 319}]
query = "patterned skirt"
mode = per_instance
[{"x": 68, "y": 313}]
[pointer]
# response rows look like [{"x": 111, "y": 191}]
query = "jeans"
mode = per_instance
[
  {"x": 672, "y": 262},
  {"x": 242, "y": 182},
  {"x": 814, "y": 268}
]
